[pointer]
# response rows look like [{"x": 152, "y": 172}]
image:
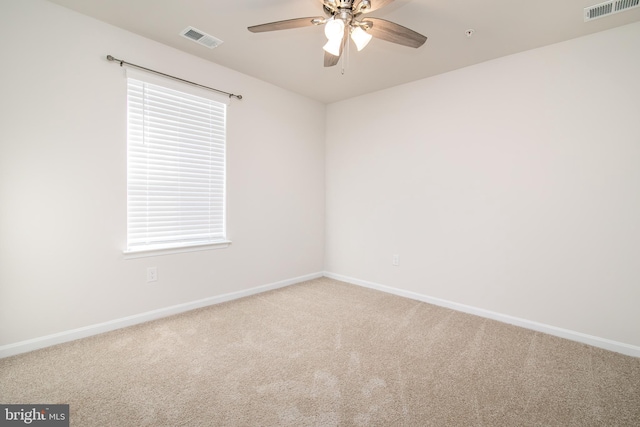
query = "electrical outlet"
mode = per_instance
[
  {"x": 152, "y": 274},
  {"x": 396, "y": 260}
]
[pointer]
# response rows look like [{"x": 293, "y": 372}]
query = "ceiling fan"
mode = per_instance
[{"x": 345, "y": 18}]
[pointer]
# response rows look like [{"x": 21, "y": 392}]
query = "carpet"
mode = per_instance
[{"x": 327, "y": 353}]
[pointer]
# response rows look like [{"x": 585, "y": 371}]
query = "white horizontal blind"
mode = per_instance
[{"x": 175, "y": 168}]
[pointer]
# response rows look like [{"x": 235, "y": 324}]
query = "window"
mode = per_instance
[{"x": 175, "y": 166}]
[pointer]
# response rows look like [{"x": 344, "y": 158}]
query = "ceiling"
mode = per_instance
[{"x": 293, "y": 59}]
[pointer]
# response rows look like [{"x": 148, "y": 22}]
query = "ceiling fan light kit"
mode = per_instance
[
  {"x": 360, "y": 37},
  {"x": 345, "y": 19},
  {"x": 334, "y": 29},
  {"x": 333, "y": 47}
]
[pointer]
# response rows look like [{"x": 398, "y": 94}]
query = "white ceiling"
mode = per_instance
[{"x": 293, "y": 59}]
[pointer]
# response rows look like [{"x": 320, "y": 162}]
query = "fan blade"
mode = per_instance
[
  {"x": 394, "y": 33},
  {"x": 331, "y": 4},
  {"x": 330, "y": 60},
  {"x": 329, "y": 7},
  {"x": 375, "y": 5},
  {"x": 284, "y": 25}
]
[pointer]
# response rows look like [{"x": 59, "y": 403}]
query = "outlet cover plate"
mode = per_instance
[{"x": 152, "y": 274}]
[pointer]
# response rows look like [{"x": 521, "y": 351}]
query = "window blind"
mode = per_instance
[{"x": 175, "y": 168}]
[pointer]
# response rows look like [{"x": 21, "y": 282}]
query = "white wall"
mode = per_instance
[
  {"x": 512, "y": 186},
  {"x": 62, "y": 179}
]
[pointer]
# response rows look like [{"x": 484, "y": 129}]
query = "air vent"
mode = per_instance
[
  {"x": 203, "y": 38},
  {"x": 609, "y": 8}
]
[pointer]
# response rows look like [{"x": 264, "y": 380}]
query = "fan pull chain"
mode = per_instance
[{"x": 345, "y": 57}]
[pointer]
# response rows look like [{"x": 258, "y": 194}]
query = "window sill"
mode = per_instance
[{"x": 144, "y": 253}]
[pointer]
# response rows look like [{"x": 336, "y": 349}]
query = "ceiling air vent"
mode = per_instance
[
  {"x": 609, "y": 8},
  {"x": 204, "y": 38}
]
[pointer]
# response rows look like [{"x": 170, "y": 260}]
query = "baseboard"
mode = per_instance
[
  {"x": 618, "y": 347},
  {"x": 87, "y": 331}
]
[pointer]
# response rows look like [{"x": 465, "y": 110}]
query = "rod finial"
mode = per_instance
[{"x": 110, "y": 58}]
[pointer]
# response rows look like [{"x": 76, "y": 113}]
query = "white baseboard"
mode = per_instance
[
  {"x": 87, "y": 331},
  {"x": 618, "y": 347}
]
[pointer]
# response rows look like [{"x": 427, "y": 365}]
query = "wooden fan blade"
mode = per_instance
[
  {"x": 284, "y": 25},
  {"x": 375, "y": 5},
  {"x": 328, "y": 6},
  {"x": 394, "y": 33},
  {"x": 330, "y": 60}
]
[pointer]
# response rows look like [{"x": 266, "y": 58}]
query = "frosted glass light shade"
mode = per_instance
[
  {"x": 334, "y": 29},
  {"x": 333, "y": 47},
  {"x": 360, "y": 37}
]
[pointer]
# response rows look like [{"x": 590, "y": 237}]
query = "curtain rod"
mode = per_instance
[{"x": 231, "y": 95}]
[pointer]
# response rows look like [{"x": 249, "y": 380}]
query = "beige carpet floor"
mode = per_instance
[{"x": 326, "y": 353}]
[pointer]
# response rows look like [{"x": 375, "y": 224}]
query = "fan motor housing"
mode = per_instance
[{"x": 344, "y": 4}]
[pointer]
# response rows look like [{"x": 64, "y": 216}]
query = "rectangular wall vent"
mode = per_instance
[
  {"x": 609, "y": 8},
  {"x": 203, "y": 38}
]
